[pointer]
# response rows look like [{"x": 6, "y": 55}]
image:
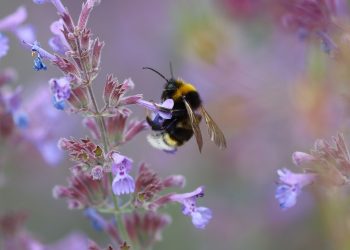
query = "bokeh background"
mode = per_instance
[{"x": 271, "y": 92}]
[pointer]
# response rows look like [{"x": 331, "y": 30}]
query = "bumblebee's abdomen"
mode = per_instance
[{"x": 180, "y": 135}]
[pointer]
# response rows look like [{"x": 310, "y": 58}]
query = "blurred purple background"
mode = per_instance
[{"x": 270, "y": 92}]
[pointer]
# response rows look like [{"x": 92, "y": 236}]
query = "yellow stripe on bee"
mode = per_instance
[
  {"x": 169, "y": 141},
  {"x": 183, "y": 89}
]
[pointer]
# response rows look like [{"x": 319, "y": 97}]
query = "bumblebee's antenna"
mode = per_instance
[
  {"x": 171, "y": 70},
  {"x": 156, "y": 72}
]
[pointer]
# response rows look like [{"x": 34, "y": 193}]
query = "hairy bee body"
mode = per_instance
[{"x": 186, "y": 114}]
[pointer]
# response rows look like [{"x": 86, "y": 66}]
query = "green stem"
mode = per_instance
[
  {"x": 119, "y": 215},
  {"x": 102, "y": 127},
  {"x": 99, "y": 120}
]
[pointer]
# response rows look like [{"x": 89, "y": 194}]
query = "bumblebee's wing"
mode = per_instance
[
  {"x": 195, "y": 125},
  {"x": 215, "y": 132}
]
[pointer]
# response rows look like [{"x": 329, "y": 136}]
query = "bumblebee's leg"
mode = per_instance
[
  {"x": 155, "y": 125},
  {"x": 168, "y": 126},
  {"x": 178, "y": 112}
]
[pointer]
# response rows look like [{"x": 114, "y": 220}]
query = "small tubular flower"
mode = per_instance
[
  {"x": 200, "y": 215},
  {"x": 122, "y": 183},
  {"x": 58, "y": 42},
  {"x": 290, "y": 186},
  {"x": 163, "y": 110},
  {"x": 61, "y": 91}
]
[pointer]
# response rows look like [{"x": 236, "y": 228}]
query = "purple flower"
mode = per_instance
[
  {"x": 61, "y": 91},
  {"x": 311, "y": 16},
  {"x": 13, "y": 23},
  {"x": 97, "y": 172},
  {"x": 25, "y": 33},
  {"x": 13, "y": 20},
  {"x": 60, "y": 88},
  {"x": 4, "y": 46},
  {"x": 39, "y": 64},
  {"x": 163, "y": 110},
  {"x": 57, "y": 3},
  {"x": 40, "y": 55},
  {"x": 35, "y": 47},
  {"x": 60, "y": 105},
  {"x": 20, "y": 119},
  {"x": 41, "y": 1},
  {"x": 200, "y": 215},
  {"x": 12, "y": 101},
  {"x": 122, "y": 182},
  {"x": 58, "y": 42},
  {"x": 290, "y": 186},
  {"x": 49, "y": 151},
  {"x": 43, "y": 129}
]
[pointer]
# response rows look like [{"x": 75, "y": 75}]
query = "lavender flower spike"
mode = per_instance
[
  {"x": 290, "y": 186},
  {"x": 200, "y": 215},
  {"x": 122, "y": 183}
]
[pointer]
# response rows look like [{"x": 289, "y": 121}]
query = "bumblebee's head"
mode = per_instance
[{"x": 171, "y": 86}]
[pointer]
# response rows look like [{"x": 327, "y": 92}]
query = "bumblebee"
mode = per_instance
[{"x": 187, "y": 112}]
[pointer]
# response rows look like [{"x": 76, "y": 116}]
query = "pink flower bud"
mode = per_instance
[
  {"x": 96, "y": 53},
  {"x": 300, "y": 158},
  {"x": 62, "y": 144},
  {"x": 59, "y": 192},
  {"x": 174, "y": 181},
  {"x": 79, "y": 98},
  {"x": 91, "y": 125},
  {"x": 65, "y": 65}
]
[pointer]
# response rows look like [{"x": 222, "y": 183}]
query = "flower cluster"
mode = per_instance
[
  {"x": 102, "y": 179},
  {"x": 11, "y": 112},
  {"x": 327, "y": 165},
  {"x": 15, "y": 236},
  {"x": 14, "y": 23},
  {"x": 309, "y": 17},
  {"x": 83, "y": 190}
]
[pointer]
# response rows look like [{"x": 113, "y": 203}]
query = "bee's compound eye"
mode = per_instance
[{"x": 171, "y": 86}]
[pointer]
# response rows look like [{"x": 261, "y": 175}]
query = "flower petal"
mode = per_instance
[
  {"x": 4, "y": 45},
  {"x": 201, "y": 217}
]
